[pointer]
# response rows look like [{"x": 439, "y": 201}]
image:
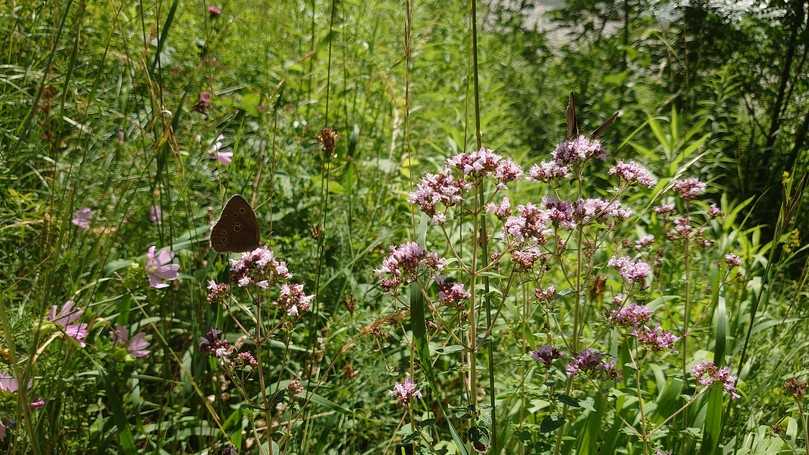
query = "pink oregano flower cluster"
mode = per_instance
[
  {"x": 404, "y": 263},
  {"x": 708, "y": 373},
  {"x": 260, "y": 268},
  {"x": 405, "y": 391},
  {"x": 461, "y": 172},
  {"x": 633, "y": 271}
]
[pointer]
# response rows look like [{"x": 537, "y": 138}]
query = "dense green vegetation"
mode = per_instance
[{"x": 580, "y": 282}]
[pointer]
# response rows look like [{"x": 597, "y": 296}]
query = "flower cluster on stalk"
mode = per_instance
[
  {"x": 708, "y": 373},
  {"x": 403, "y": 264}
]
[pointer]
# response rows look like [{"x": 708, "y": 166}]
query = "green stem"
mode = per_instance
[{"x": 484, "y": 241}]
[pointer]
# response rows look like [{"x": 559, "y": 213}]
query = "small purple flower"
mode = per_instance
[
  {"x": 631, "y": 315},
  {"x": 78, "y": 332},
  {"x": 632, "y": 172},
  {"x": 708, "y": 373},
  {"x": 155, "y": 214},
  {"x": 689, "y": 188},
  {"x": 223, "y": 155},
  {"x": 159, "y": 267},
  {"x": 293, "y": 299},
  {"x": 664, "y": 209},
  {"x": 451, "y": 293},
  {"x": 547, "y": 171},
  {"x": 203, "y": 103},
  {"x": 545, "y": 295},
  {"x": 630, "y": 270},
  {"x": 579, "y": 149},
  {"x": 592, "y": 361},
  {"x": 137, "y": 346},
  {"x": 657, "y": 339},
  {"x": 8, "y": 383},
  {"x": 644, "y": 241},
  {"x": 214, "y": 11},
  {"x": 405, "y": 391},
  {"x": 546, "y": 354},
  {"x": 402, "y": 265},
  {"x": 82, "y": 218},
  {"x": 68, "y": 314},
  {"x": 714, "y": 211},
  {"x": 502, "y": 210},
  {"x": 65, "y": 318},
  {"x": 526, "y": 258},
  {"x": 732, "y": 260},
  {"x": 38, "y": 404}
]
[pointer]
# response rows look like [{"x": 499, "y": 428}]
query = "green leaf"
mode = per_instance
[{"x": 713, "y": 421}]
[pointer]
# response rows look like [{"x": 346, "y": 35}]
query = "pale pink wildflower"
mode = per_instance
[
  {"x": 82, "y": 218},
  {"x": 405, "y": 391},
  {"x": 159, "y": 267}
]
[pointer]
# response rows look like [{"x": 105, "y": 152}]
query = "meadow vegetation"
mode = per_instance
[{"x": 486, "y": 227}]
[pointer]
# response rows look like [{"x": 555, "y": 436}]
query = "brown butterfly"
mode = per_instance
[{"x": 237, "y": 229}]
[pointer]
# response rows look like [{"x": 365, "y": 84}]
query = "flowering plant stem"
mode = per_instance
[
  {"x": 686, "y": 313},
  {"x": 483, "y": 239}
]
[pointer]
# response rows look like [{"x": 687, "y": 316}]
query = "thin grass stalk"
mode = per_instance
[
  {"x": 483, "y": 238},
  {"x": 324, "y": 208}
]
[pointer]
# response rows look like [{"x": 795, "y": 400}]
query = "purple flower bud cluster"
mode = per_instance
[
  {"x": 545, "y": 295},
  {"x": 547, "y": 171},
  {"x": 631, "y": 270},
  {"x": 590, "y": 361},
  {"x": 631, "y": 315},
  {"x": 293, "y": 300},
  {"x": 216, "y": 291},
  {"x": 484, "y": 163},
  {"x": 526, "y": 258},
  {"x": 228, "y": 355},
  {"x": 632, "y": 173},
  {"x": 502, "y": 210},
  {"x": 405, "y": 391},
  {"x": 689, "y": 188},
  {"x": 708, "y": 373},
  {"x": 451, "y": 293},
  {"x": 644, "y": 241},
  {"x": 657, "y": 339},
  {"x": 546, "y": 354},
  {"x": 528, "y": 223},
  {"x": 258, "y": 267},
  {"x": 732, "y": 260},
  {"x": 435, "y": 189},
  {"x": 403, "y": 263},
  {"x": 664, "y": 209},
  {"x": 577, "y": 150}
]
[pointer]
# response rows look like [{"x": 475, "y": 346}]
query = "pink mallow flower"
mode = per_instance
[
  {"x": 708, "y": 373},
  {"x": 155, "y": 214},
  {"x": 222, "y": 154},
  {"x": 8, "y": 383},
  {"x": 66, "y": 317},
  {"x": 405, "y": 391},
  {"x": 689, "y": 188},
  {"x": 159, "y": 267},
  {"x": 137, "y": 346},
  {"x": 630, "y": 270},
  {"x": 82, "y": 218}
]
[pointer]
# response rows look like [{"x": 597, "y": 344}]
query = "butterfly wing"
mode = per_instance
[
  {"x": 570, "y": 115},
  {"x": 237, "y": 228}
]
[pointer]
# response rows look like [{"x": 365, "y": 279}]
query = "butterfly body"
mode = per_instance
[{"x": 236, "y": 230}]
